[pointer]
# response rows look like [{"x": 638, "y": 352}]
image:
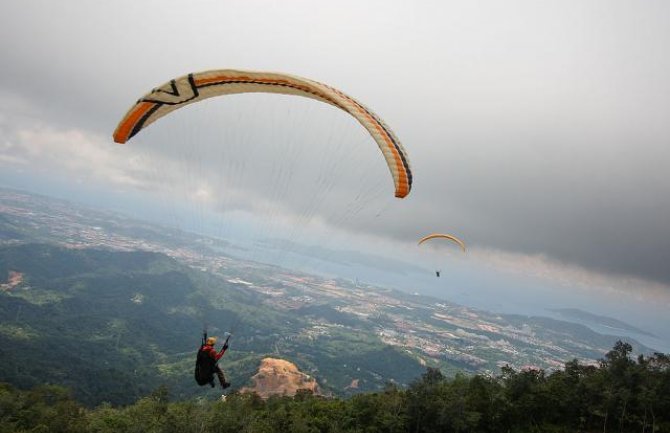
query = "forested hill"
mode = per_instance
[
  {"x": 619, "y": 395},
  {"x": 102, "y": 323},
  {"x": 114, "y": 325}
]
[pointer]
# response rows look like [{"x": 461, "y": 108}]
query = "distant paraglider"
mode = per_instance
[
  {"x": 451, "y": 238},
  {"x": 196, "y": 87}
]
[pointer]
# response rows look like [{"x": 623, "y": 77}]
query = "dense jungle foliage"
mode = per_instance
[{"x": 620, "y": 394}]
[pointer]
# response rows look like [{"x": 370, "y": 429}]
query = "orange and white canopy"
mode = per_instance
[
  {"x": 443, "y": 236},
  {"x": 198, "y": 86}
]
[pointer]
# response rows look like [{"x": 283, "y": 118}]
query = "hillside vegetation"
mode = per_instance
[
  {"x": 619, "y": 395},
  {"x": 111, "y": 326}
]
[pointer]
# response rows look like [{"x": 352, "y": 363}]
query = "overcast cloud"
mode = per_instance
[{"x": 534, "y": 128}]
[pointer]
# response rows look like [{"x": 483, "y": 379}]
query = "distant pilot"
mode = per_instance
[{"x": 437, "y": 273}]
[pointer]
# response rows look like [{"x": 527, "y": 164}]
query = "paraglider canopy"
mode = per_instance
[
  {"x": 443, "y": 236},
  {"x": 196, "y": 87}
]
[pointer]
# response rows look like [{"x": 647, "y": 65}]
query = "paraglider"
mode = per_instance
[
  {"x": 196, "y": 87},
  {"x": 206, "y": 364},
  {"x": 451, "y": 238}
]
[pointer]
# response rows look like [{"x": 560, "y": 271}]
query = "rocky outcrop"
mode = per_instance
[
  {"x": 14, "y": 278},
  {"x": 280, "y": 377}
]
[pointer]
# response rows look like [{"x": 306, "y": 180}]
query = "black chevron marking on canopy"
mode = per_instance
[
  {"x": 174, "y": 92},
  {"x": 173, "y": 86}
]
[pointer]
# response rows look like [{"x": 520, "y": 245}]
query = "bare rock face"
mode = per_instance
[
  {"x": 14, "y": 278},
  {"x": 352, "y": 385},
  {"x": 280, "y": 377}
]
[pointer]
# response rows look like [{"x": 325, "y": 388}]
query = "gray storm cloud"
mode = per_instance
[{"x": 533, "y": 127}]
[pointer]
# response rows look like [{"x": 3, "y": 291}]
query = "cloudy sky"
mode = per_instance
[{"x": 537, "y": 130}]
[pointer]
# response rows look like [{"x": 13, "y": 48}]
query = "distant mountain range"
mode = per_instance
[{"x": 590, "y": 318}]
